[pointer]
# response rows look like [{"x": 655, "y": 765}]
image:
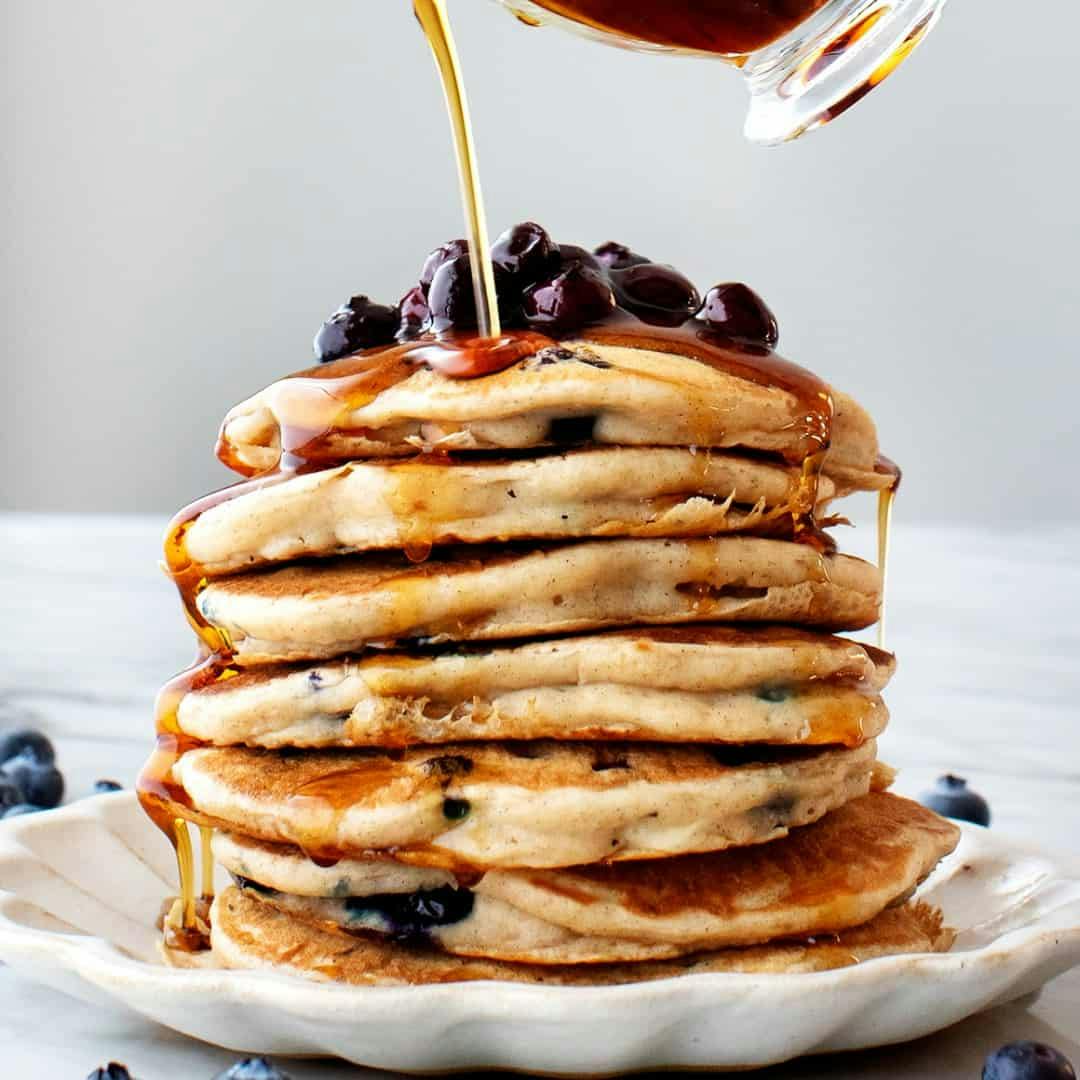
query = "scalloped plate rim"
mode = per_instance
[{"x": 97, "y": 962}]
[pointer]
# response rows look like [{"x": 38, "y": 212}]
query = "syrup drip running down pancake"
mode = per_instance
[
  {"x": 822, "y": 878},
  {"x": 541, "y": 804},
  {"x": 689, "y": 684}
]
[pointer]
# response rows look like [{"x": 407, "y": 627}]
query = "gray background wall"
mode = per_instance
[{"x": 188, "y": 189}]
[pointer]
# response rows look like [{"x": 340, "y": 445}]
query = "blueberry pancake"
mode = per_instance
[
  {"x": 251, "y": 934},
  {"x": 336, "y": 606},
  {"x": 579, "y": 392},
  {"x": 542, "y": 804},
  {"x": 622, "y": 911},
  {"x": 434, "y": 500},
  {"x": 701, "y": 683}
]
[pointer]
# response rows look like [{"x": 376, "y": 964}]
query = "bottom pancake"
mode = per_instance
[
  {"x": 251, "y": 934},
  {"x": 821, "y": 878}
]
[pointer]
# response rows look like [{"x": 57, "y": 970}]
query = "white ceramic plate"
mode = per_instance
[{"x": 82, "y": 887}]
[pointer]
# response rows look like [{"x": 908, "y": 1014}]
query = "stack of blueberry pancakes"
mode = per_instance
[{"x": 525, "y": 658}]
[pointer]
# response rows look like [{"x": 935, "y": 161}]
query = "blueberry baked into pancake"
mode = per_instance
[{"x": 519, "y": 655}]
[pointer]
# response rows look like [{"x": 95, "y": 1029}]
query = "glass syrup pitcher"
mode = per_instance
[{"x": 805, "y": 61}]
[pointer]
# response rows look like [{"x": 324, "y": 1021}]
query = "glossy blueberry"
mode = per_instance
[
  {"x": 19, "y": 809},
  {"x": 951, "y": 797},
  {"x": 1027, "y": 1061},
  {"x": 571, "y": 254},
  {"x": 359, "y": 324},
  {"x": 736, "y": 311},
  {"x": 253, "y": 1068},
  {"x": 443, "y": 253},
  {"x": 655, "y": 288},
  {"x": 414, "y": 315},
  {"x": 411, "y": 916},
  {"x": 113, "y": 1071},
  {"x": 577, "y": 296},
  {"x": 103, "y": 787},
  {"x": 524, "y": 254},
  {"x": 26, "y": 740},
  {"x": 40, "y": 784},
  {"x": 617, "y": 256},
  {"x": 451, "y": 297}
]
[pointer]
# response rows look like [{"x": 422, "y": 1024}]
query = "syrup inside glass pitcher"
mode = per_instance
[{"x": 805, "y": 61}]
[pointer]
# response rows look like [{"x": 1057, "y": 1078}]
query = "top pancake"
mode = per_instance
[
  {"x": 579, "y": 391},
  {"x": 433, "y": 500}
]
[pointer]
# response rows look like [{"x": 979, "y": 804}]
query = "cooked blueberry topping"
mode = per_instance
[
  {"x": 253, "y": 1068},
  {"x": 577, "y": 296},
  {"x": 951, "y": 797},
  {"x": 19, "y": 809},
  {"x": 359, "y": 324},
  {"x": 103, "y": 787},
  {"x": 774, "y": 693},
  {"x": 113, "y": 1071},
  {"x": 524, "y": 254},
  {"x": 26, "y": 740},
  {"x": 451, "y": 297},
  {"x": 411, "y": 916},
  {"x": 38, "y": 783},
  {"x": 455, "y": 809},
  {"x": 738, "y": 312},
  {"x": 553, "y": 288},
  {"x": 1026, "y": 1060},
  {"x": 444, "y": 253},
  {"x": 414, "y": 315},
  {"x": 652, "y": 289},
  {"x": 617, "y": 256},
  {"x": 572, "y": 255}
]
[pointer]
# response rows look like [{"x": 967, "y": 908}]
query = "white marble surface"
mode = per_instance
[{"x": 988, "y": 686}]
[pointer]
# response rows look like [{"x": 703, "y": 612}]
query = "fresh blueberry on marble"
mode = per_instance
[
  {"x": 38, "y": 783},
  {"x": 1026, "y": 1060},
  {"x": 19, "y": 809},
  {"x": 103, "y": 787},
  {"x": 10, "y": 793},
  {"x": 113, "y": 1071},
  {"x": 951, "y": 797},
  {"x": 26, "y": 740},
  {"x": 253, "y": 1068}
]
